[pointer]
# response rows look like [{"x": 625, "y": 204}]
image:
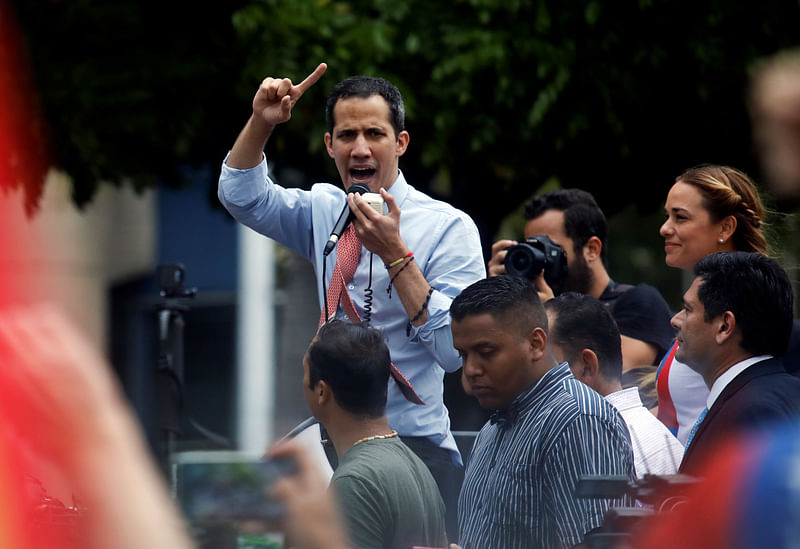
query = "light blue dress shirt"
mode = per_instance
[{"x": 446, "y": 248}]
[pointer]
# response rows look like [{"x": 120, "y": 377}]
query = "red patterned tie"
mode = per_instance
[{"x": 348, "y": 253}]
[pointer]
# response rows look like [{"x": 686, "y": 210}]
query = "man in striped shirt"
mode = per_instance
[{"x": 547, "y": 428}]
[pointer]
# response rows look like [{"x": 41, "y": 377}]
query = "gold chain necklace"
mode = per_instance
[{"x": 376, "y": 437}]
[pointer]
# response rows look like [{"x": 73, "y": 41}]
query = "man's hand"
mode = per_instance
[
  {"x": 60, "y": 399},
  {"x": 276, "y": 97},
  {"x": 272, "y": 105},
  {"x": 496, "y": 266},
  {"x": 380, "y": 234},
  {"x": 542, "y": 288},
  {"x": 59, "y": 385},
  {"x": 312, "y": 520}
]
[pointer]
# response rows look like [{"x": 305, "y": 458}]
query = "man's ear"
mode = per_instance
[
  {"x": 538, "y": 343},
  {"x": 725, "y": 328},
  {"x": 328, "y": 144},
  {"x": 593, "y": 249},
  {"x": 322, "y": 392},
  {"x": 591, "y": 367},
  {"x": 586, "y": 367},
  {"x": 403, "y": 140}
]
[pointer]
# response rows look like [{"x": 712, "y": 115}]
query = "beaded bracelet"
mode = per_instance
[
  {"x": 397, "y": 262},
  {"x": 400, "y": 270},
  {"x": 419, "y": 314}
]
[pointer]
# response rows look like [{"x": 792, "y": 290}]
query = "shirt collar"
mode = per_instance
[
  {"x": 399, "y": 189},
  {"x": 728, "y": 375},
  {"x": 626, "y": 399},
  {"x": 527, "y": 399},
  {"x": 609, "y": 289}
]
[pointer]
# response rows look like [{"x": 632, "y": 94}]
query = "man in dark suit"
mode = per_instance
[{"x": 736, "y": 319}]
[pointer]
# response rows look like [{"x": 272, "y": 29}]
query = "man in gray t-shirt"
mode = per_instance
[{"x": 386, "y": 494}]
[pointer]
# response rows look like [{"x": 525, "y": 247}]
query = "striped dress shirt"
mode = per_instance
[{"x": 525, "y": 464}]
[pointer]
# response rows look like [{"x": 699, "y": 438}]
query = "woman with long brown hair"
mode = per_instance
[{"x": 709, "y": 209}]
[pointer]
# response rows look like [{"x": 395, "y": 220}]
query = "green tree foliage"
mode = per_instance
[
  {"x": 131, "y": 90},
  {"x": 613, "y": 97}
]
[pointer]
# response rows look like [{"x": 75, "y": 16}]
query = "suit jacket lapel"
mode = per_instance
[{"x": 766, "y": 367}]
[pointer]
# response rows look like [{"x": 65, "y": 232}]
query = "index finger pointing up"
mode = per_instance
[{"x": 312, "y": 78}]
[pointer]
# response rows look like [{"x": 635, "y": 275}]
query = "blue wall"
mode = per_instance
[{"x": 197, "y": 232}]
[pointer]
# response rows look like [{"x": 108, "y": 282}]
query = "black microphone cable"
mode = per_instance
[
  {"x": 368, "y": 294},
  {"x": 368, "y": 298}
]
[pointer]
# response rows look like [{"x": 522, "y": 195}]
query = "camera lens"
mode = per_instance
[
  {"x": 524, "y": 260},
  {"x": 521, "y": 261}
]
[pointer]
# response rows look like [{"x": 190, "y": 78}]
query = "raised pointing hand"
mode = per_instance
[{"x": 276, "y": 97}]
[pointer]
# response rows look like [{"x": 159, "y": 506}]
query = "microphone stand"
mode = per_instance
[{"x": 170, "y": 359}]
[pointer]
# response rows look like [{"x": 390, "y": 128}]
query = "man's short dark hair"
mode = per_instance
[
  {"x": 354, "y": 361},
  {"x": 583, "y": 218},
  {"x": 511, "y": 299},
  {"x": 364, "y": 87},
  {"x": 583, "y": 322},
  {"x": 758, "y": 293}
]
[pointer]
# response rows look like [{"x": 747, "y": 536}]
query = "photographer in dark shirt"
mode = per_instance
[{"x": 572, "y": 220}]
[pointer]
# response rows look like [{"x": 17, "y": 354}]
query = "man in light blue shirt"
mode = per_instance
[{"x": 414, "y": 264}]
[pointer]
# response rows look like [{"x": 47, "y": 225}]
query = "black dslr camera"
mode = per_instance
[{"x": 528, "y": 258}]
